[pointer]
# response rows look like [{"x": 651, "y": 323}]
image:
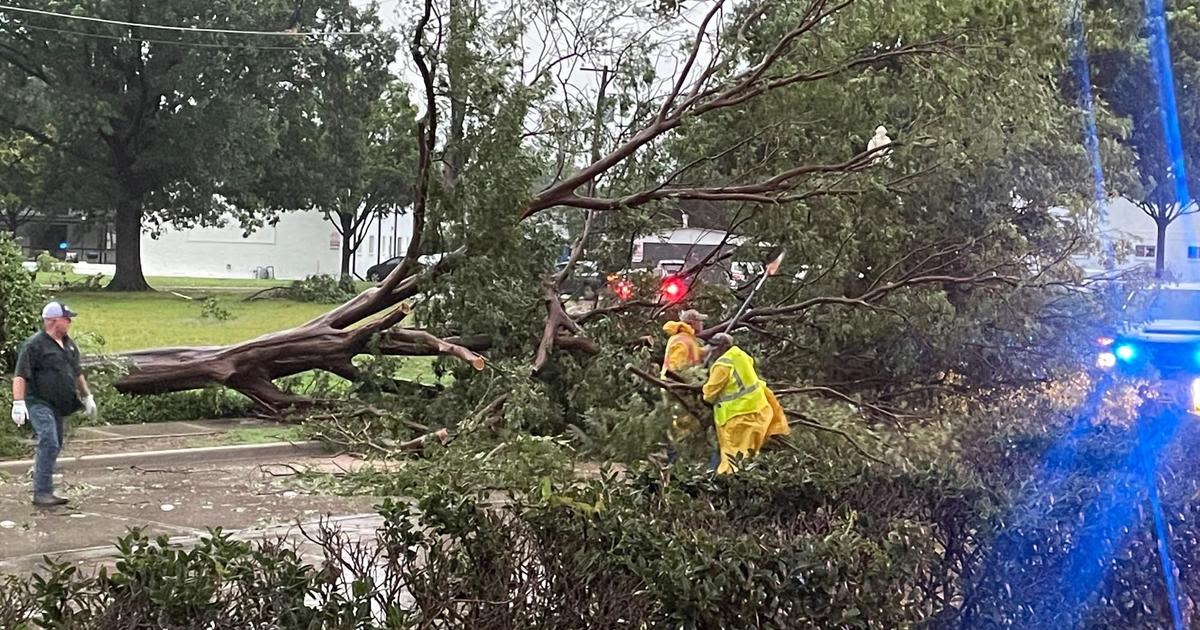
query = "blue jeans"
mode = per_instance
[{"x": 49, "y": 428}]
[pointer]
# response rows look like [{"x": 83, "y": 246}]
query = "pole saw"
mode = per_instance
[{"x": 771, "y": 269}]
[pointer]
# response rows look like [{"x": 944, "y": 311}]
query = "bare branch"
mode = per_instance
[
  {"x": 410, "y": 342},
  {"x": 691, "y": 60},
  {"x": 672, "y": 388},
  {"x": 426, "y": 140},
  {"x": 803, "y": 420},
  {"x": 767, "y": 191},
  {"x": 755, "y": 82}
]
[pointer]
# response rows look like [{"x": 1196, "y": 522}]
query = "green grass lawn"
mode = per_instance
[
  {"x": 119, "y": 322},
  {"x": 135, "y": 321},
  {"x": 168, "y": 282},
  {"x": 256, "y": 435}
]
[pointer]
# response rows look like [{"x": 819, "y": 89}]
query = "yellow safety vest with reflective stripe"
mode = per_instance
[{"x": 744, "y": 392}]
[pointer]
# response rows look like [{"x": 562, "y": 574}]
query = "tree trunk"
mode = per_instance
[
  {"x": 251, "y": 367},
  {"x": 129, "y": 248},
  {"x": 347, "y": 241},
  {"x": 1160, "y": 250},
  {"x": 329, "y": 342}
]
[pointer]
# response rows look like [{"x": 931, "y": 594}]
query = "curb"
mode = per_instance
[{"x": 175, "y": 456}]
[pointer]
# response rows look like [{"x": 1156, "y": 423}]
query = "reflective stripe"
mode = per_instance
[{"x": 741, "y": 391}]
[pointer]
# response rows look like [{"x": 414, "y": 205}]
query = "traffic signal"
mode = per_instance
[{"x": 673, "y": 289}]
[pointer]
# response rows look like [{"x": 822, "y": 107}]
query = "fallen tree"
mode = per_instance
[
  {"x": 371, "y": 320},
  {"x": 329, "y": 342},
  {"x": 906, "y": 255}
]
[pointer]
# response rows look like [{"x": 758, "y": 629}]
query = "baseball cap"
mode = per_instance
[{"x": 57, "y": 309}]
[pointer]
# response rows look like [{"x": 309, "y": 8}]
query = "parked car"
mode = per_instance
[
  {"x": 378, "y": 272},
  {"x": 585, "y": 281}
]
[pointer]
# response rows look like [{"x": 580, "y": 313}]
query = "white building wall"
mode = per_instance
[
  {"x": 299, "y": 245},
  {"x": 385, "y": 238},
  {"x": 1129, "y": 226}
]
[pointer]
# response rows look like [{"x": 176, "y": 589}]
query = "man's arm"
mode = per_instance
[
  {"x": 20, "y": 411},
  {"x": 717, "y": 378},
  {"x": 23, "y": 371},
  {"x": 85, "y": 396}
]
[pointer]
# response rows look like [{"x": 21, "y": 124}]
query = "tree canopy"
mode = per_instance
[{"x": 158, "y": 125}]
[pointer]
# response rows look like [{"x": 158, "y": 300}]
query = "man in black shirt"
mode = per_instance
[{"x": 49, "y": 386}]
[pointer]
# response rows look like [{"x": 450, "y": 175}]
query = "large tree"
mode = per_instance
[
  {"x": 161, "y": 125},
  {"x": 1142, "y": 61},
  {"x": 348, "y": 149},
  {"x": 897, "y": 263},
  {"x": 23, "y": 179}
]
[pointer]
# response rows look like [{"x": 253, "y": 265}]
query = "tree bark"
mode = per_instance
[
  {"x": 347, "y": 241},
  {"x": 251, "y": 367},
  {"x": 14, "y": 222},
  {"x": 128, "y": 276},
  {"x": 329, "y": 342},
  {"x": 1160, "y": 250}
]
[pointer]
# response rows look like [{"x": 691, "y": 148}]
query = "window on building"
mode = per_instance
[
  {"x": 1145, "y": 251},
  {"x": 370, "y": 244},
  {"x": 1193, "y": 252},
  {"x": 399, "y": 245}
]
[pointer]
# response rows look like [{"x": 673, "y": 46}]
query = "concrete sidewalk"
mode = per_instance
[
  {"x": 182, "y": 501},
  {"x": 158, "y": 443}
]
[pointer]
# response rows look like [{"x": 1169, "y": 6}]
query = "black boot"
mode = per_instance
[{"x": 48, "y": 500}]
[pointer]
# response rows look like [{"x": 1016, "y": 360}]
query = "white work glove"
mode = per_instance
[
  {"x": 20, "y": 413},
  {"x": 89, "y": 406}
]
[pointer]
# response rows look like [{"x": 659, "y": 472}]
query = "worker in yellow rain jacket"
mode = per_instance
[
  {"x": 683, "y": 347},
  {"x": 744, "y": 409},
  {"x": 684, "y": 351}
]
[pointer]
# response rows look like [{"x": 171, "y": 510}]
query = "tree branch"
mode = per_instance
[
  {"x": 409, "y": 342},
  {"x": 749, "y": 85},
  {"x": 803, "y": 420},
  {"x": 426, "y": 140}
]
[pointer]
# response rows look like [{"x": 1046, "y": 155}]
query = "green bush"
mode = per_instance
[
  {"x": 21, "y": 301},
  {"x": 611, "y": 552},
  {"x": 966, "y": 528},
  {"x": 322, "y": 288},
  {"x": 211, "y": 307},
  {"x": 12, "y": 445},
  {"x": 49, "y": 264}
]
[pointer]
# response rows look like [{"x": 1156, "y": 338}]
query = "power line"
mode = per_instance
[
  {"x": 185, "y": 29},
  {"x": 160, "y": 41}
]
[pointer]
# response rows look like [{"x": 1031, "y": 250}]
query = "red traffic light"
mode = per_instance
[{"x": 673, "y": 289}]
